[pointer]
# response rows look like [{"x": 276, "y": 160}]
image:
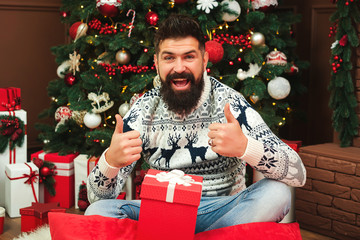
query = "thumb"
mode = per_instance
[
  {"x": 229, "y": 116},
  {"x": 119, "y": 124}
]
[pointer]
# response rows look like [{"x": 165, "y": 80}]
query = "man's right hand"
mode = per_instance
[{"x": 125, "y": 148}]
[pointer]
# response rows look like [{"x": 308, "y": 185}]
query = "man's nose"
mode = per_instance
[{"x": 179, "y": 66}]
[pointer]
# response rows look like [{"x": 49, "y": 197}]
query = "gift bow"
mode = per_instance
[
  {"x": 174, "y": 177},
  {"x": 30, "y": 179}
]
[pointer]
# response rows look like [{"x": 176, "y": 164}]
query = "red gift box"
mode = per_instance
[
  {"x": 10, "y": 99},
  {"x": 169, "y": 204},
  {"x": 37, "y": 214},
  {"x": 64, "y": 178},
  {"x": 295, "y": 145}
]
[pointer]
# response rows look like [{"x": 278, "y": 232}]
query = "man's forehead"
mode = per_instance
[{"x": 176, "y": 45}]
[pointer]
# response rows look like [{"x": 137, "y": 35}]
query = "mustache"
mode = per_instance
[{"x": 188, "y": 76}]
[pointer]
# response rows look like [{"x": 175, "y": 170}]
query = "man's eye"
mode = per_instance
[
  {"x": 189, "y": 57},
  {"x": 167, "y": 58}
]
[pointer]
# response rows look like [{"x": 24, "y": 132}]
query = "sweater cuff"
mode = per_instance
[
  {"x": 105, "y": 168},
  {"x": 254, "y": 152}
]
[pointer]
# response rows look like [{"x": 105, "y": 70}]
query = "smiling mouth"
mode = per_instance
[{"x": 180, "y": 83}]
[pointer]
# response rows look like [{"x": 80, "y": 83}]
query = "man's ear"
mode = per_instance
[
  {"x": 155, "y": 61},
  {"x": 205, "y": 60}
]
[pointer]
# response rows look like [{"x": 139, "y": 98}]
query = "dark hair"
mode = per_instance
[{"x": 178, "y": 26}]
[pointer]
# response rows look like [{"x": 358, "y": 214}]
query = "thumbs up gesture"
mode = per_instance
[
  {"x": 227, "y": 139},
  {"x": 125, "y": 148}
]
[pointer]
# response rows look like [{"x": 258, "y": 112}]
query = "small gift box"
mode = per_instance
[
  {"x": 37, "y": 214},
  {"x": 13, "y": 153},
  {"x": 10, "y": 99},
  {"x": 64, "y": 177},
  {"x": 169, "y": 204},
  {"x": 21, "y": 187}
]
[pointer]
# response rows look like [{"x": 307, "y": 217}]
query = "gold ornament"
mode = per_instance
[
  {"x": 78, "y": 117},
  {"x": 257, "y": 39}
]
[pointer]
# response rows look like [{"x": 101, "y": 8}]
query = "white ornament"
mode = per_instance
[
  {"x": 206, "y": 5},
  {"x": 256, "y": 4},
  {"x": 74, "y": 62},
  {"x": 63, "y": 69},
  {"x": 276, "y": 58},
  {"x": 254, "y": 69},
  {"x": 334, "y": 44},
  {"x": 279, "y": 88},
  {"x": 81, "y": 31},
  {"x": 92, "y": 120},
  {"x": 234, "y": 7},
  {"x": 98, "y": 106},
  {"x": 124, "y": 108},
  {"x": 62, "y": 114}
]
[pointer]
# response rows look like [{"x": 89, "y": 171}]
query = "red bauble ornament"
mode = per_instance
[
  {"x": 70, "y": 79},
  {"x": 152, "y": 18},
  {"x": 264, "y": 5},
  {"x": 77, "y": 30},
  {"x": 45, "y": 171},
  {"x": 343, "y": 41},
  {"x": 180, "y": 1},
  {"x": 215, "y": 51},
  {"x": 108, "y": 8},
  {"x": 276, "y": 58}
]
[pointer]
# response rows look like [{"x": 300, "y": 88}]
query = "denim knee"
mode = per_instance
[{"x": 95, "y": 208}]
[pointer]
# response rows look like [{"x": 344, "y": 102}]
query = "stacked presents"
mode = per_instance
[{"x": 49, "y": 182}]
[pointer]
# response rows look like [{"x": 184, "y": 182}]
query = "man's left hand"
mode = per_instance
[{"x": 227, "y": 139}]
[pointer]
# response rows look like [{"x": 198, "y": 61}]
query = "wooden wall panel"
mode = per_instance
[{"x": 28, "y": 30}]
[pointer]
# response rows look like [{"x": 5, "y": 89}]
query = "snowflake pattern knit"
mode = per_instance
[{"x": 171, "y": 141}]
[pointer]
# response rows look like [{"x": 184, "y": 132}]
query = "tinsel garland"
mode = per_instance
[
  {"x": 342, "y": 99},
  {"x": 12, "y": 132}
]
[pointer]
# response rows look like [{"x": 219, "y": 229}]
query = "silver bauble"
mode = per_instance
[
  {"x": 92, "y": 120},
  {"x": 279, "y": 88},
  {"x": 233, "y": 6},
  {"x": 124, "y": 108},
  {"x": 123, "y": 57}
]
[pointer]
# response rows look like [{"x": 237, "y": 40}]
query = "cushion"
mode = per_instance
[{"x": 64, "y": 226}]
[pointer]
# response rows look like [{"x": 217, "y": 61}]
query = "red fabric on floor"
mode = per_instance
[{"x": 65, "y": 226}]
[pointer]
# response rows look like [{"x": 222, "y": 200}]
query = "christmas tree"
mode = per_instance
[{"x": 109, "y": 62}]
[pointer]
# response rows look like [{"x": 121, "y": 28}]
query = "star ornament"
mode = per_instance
[{"x": 74, "y": 62}]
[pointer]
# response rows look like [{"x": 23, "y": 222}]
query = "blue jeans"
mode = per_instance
[{"x": 264, "y": 201}]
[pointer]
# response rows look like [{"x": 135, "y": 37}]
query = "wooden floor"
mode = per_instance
[{"x": 12, "y": 229}]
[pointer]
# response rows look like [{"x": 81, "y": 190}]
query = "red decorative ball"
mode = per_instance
[
  {"x": 83, "y": 205},
  {"x": 77, "y": 30},
  {"x": 152, "y": 18},
  {"x": 108, "y": 8},
  {"x": 180, "y": 1},
  {"x": 45, "y": 171},
  {"x": 215, "y": 51},
  {"x": 70, "y": 79}
]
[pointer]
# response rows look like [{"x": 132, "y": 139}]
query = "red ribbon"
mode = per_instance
[
  {"x": 88, "y": 164},
  {"x": 30, "y": 179},
  {"x": 13, "y": 102}
]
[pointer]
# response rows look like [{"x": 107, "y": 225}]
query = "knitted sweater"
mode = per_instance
[{"x": 171, "y": 141}]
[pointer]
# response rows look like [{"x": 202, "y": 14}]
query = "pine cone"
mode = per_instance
[
  {"x": 83, "y": 205},
  {"x": 83, "y": 194}
]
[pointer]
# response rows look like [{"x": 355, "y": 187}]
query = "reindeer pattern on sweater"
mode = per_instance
[{"x": 171, "y": 141}]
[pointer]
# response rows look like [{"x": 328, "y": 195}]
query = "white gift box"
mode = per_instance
[
  {"x": 83, "y": 165},
  {"x": 21, "y": 187},
  {"x": 17, "y": 155}
]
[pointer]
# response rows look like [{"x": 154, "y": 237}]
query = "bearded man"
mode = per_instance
[{"x": 196, "y": 124}]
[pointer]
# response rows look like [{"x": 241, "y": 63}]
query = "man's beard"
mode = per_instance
[{"x": 185, "y": 101}]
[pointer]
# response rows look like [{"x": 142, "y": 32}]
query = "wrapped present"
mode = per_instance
[
  {"x": 295, "y": 145},
  {"x": 37, "y": 214},
  {"x": 64, "y": 178},
  {"x": 169, "y": 204},
  {"x": 14, "y": 152},
  {"x": 21, "y": 187},
  {"x": 83, "y": 165},
  {"x": 10, "y": 99}
]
